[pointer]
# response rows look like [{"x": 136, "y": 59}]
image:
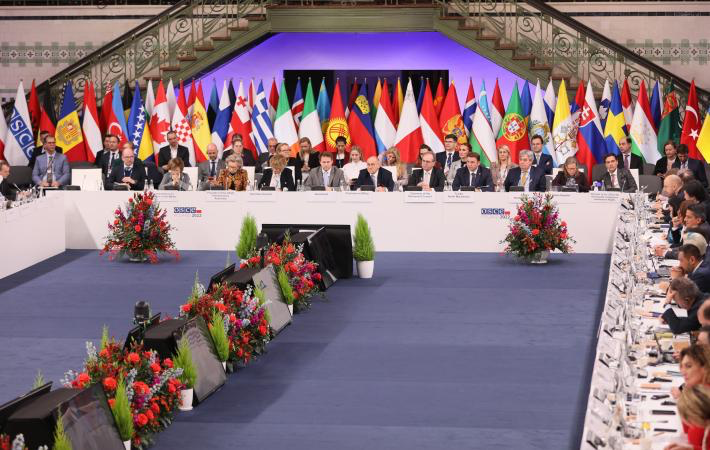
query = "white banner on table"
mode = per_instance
[
  {"x": 221, "y": 196},
  {"x": 419, "y": 197},
  {"x": 357, "y": 196},
  {"x": 261, "y": 196},
  {"x": 458, "y": 196},
  {"x": 322, "y": 196}
]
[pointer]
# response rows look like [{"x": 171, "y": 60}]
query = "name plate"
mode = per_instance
[
  {"x": 221, "y": 196},
  {"x": 321, "y": 196},
  {"x": 357, "y": 196},
  {"x": 261, "y": 196},
  {"x": 604, "y": 196},
  {"x": 458, "y": 196},
  {"x": 419, "y": 197},
  {"x": 164, "y": 196}
]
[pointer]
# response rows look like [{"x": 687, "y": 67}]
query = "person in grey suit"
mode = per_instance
[
  {"x": 175, "y": 178},
  {"x": 51, "y": 168},
  {"x": 617, "y": 177},
  {"x": 326, "y": 175},
  {"x": 207, "y": 171},
  {"x": 464, "y": 148}
]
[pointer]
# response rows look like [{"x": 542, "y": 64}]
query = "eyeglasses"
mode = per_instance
[{"x": 428, "y": 160}]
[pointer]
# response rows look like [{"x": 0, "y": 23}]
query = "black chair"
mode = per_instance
[
  {"x": 598, "y": 171},
  {"x": 412, "y": 188},
  {"x": 20, "y": 176},
  {"x": 81, "y": 165},
  {"x": 71, "y": 187}
]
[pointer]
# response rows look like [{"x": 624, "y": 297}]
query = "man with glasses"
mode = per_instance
[
  {"x": 530, "y": 178},
  {"x": 51, "y": 168},
  {"x": 447, "y": 158},
  {"x": 374, "y": 175},
  {"x": 691, "y": 165},
  {"x": 428, "y": 177},
  {"x": 130, "y": 172}
]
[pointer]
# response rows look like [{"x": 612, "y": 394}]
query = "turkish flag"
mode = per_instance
[{"x": 691, "y": 124}]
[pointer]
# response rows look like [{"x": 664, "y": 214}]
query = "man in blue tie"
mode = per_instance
[
  {"x": 447, "y": 157},
  {"x": 130, "y": 173}
]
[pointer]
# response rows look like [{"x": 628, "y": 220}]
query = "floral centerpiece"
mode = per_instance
[
  {"x": 536, "y": 229},
  {"x": 140, "y": 231},
  {"x": 152, "y": 385}
]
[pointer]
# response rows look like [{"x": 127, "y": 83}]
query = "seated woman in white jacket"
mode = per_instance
[{"x": 174, "y": 178}]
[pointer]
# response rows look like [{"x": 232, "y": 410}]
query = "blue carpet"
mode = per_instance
[{"x": 438, "y": 351}]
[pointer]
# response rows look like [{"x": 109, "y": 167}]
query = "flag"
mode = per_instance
[
  {"x": 450, "y": 120},
  {"x": 139, "y": 129},
  {"x": 376, "y": 99},
  {"x": 221, "y": 120},
  {"x": 106, "y": 108},
  {"x": 498, "y": 110},
  {"x": 538, "y": 124},
  {"x": 439, "y": 97},
  {"x": 483, "y": 102},
  {"x": 605, "y": 103},
  {"x": 351, "y": 99},
  {"x": 90, "y": 123},
  {"x": 19, "y": 143},
  {"x": 47, "y": 119},
  {"x": 34, "y": 109},
  {"x": 240, "y": 122},
  {"x": 297, "y": 107},
  {"x": 68, "y": 133},
  {"x": 252, "y": 95},
  {"x": 590, "y": 139},
  {"x": 159, "y": 121},
  {"x": 116, "y": 119},
  {"x": 397, "y": 102},
  {"x": 337, "y": 125},
  {"x": 323, "y": 106},
  {"x": 311, "y": 123},
  {"x": 149, "y": 99},
  {"x": 703, "y": 139},
  {"x": 644, "y": 140},
  {"x": 526, "y": 101},
  {"x": 127, "y": 99},
  {"x": 385, "y": 131},
  {"x": 564, "y": 131},
  {"x": 191, "y": 100},
  {"x": 514, "y": 131},
  {"x": 232, "y": 95},
  {"x": 409, "y": 135},
  {"x": 627, "y": 104},
  {"x": 3, "y": 135},
  {"x": 469, "y": 108},
  {"x": 360, "y": 125},
  {"x": 261, "y": 128},
  {"x": 171, "y": 98},
  {"x": 691, "y": 123},
  {"x": 213, "y": 104},
  {"x": 615, "y": 127},
  {"x": 429, "y": 122},
  {"x": 180, "y": 124},
  {"x": 284, "y": 128},
  {"x": 550, "y": 103},
  {"x": 422, "y": 88},
  {"x": 656, "y": 105},
  {"x": 669, "y": 129},
  {"x": 273, "y": 100},
  {"x": 201, "y": 135},
  {"x": 576, "y": 106},
  {"x": 482, "y": 139}
]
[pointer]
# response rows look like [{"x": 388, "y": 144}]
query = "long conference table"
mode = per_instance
[{"x": 400, "y": 221}]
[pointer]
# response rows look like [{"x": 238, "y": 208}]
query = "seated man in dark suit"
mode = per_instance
[
  {"x": 474, "y": 174},
  {"x": 693, "y": 165},
  {"x": 692, "y": 264},
  {"x": 540, "y": 159},
  {"x": 277, "y": 176},
  {"x": 374, "y": 175},
  {"x": 628, "y": 160},
  {"x": 429, "y": 177},
  {"x": 668, "y": 162},
  {"x": 172, "y": 151},
  {"x": 616, "y": 177},
  {"x": 130, "y": 172},
  {"x": 687, "y": 295},
  {"x": 239, "y": 150},
  {"x": 7, "y": 191},
  {"x": 525, "y": 175},
  {"x": 109, "y": 156}
]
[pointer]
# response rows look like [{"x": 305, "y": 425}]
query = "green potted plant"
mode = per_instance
[
  {"x": 122, "y": 414},
  {"x": 363, "y": 248},
  {"x": 61, "y": 440},
  {"x": 219, "y": 337},
  {"x": 183, "y": 360},
  {"x": 286, "y": 288},
  {"x": 247, "y": 237}
]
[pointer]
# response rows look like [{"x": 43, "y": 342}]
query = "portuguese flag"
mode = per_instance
[{"x": 514, "y": 129}]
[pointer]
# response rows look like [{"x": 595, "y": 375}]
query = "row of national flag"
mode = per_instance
[{"x": 374, "y": 121}]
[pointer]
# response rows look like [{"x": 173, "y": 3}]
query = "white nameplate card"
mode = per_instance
[
  {"x": 221, "y": 196},
  {"x": 261, "y": 196},
  {"x": 419, "y": 197},
  {"x": 357, "y": 196},
  {"x": 604, "y": 196},
  {"x": 321, "y": 196},
  {"x": 458, "y": 196},
  {"x": 166, "y": 196}
]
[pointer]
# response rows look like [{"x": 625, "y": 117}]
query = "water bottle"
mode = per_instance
[{"x": 342, "y": 185}]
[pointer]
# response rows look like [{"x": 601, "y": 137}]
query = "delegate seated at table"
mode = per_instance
[
  {"x": 175, "y": 178},
  {"x": 694, "y": 411},
  {"x": 326, "y": 174},
  {"x": 687, "y": 295},
  {"x": 233, "y": 177},
  {"x": 530, "y": 178},
  {"x": 429, "y": 177},
  {"x": 571, "y": 176},
  {"x": 129, "y": 172},
  {"x": 473, "y": 174},
  {"x": 207, "y": 171},
  {"x": 51, "y": 168},
  {"x": 374, "y": 175},
  {"x": 278, "y": 176},
  {"x": 617, "y": 177}
]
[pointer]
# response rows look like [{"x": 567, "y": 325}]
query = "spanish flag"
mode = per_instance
[
  {"x": 201, "y": 134},
  {"x": 68, "y": 133}
]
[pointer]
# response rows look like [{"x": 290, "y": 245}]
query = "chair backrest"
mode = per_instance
[
  {"x": 81, "y": 165},
  {"x": 87, "y": 179},
  {"x": 192, "y": 173},
  {"x": 635, "y": 174},
  {"x": 648, "y": 168},
  {"x": 293, "y": 173},
  {"x": 556, "y": 170},
  {"x": 597, "y": 171},
  {"x": 651, "y": 184},
  {"x": 250, "y": 172},
  {"x": 21, "y": 176},
  {"x": 548, "y": 182},
  {"x": 392, "y": 169}
]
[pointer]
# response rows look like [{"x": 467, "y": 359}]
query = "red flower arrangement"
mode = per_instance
[
  {"x": 536, "y": 227},
  {"x": 141, "y": 232}
]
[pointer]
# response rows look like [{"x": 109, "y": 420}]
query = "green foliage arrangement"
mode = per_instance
[
  {"x": 219, "y": 335},
  {"x": 61, "y": 441},
  {"x": 39, "y": 380},
  {"x": 285, "y": 286},
  {"x": 104, "y": 337},
  {"x": 363, "y": 245},
  {"x": 247, "y": 237},
  {"x": 122, "y": 412},
  {"x": 183, "y": 360}
]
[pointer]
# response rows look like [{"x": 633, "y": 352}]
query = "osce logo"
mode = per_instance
[
  {"x": 189, "y": 211},
  {"x": 500, "y": 212}
]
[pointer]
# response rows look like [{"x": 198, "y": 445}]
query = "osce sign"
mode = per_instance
[
  {"x": 187, "y": 211},
  {"x": 499, "y": 212}
]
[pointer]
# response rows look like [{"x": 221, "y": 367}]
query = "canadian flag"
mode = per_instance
[
  {"x": 240, "y": 122},
  {"x": 181, "y": 126},
  {"x": 160, "y": 121}
]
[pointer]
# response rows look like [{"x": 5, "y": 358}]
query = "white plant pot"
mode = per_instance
[
  {"x": 186, "y": 400},
  {"x": 290, "y": 309},
  {"x": 224, "y": 365},
  {"x": 127, "y": 444},
  {"x": 365, "y": 269}
]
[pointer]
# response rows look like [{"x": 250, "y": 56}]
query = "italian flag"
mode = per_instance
[
  {"x": 644, "y": 140},
  {"x": 284, "y": 127},
  {"x": 310, "y": 122}
]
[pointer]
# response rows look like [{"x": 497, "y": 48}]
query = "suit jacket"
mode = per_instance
[
  {"x": 40, "y": 151},
  {"x": 286, "y": 179},
  {"x": 701, "y": 276},
  {"x": 168, "y": 181},
  {"x": 545, "y": 163},
  {"x": 7, "y": 190},
  {"x": 60, "y": 169},
  {"x": 483, "y": 178},
  {"x": 624, "y": 177},
  {"x": 182, "y": 153},
  {"x": 384, "y": 179},
  {"x": 337, "y": 178},
  {"x": 102, "y": 158},
  {"x": 580, "y": 179},
  {"x": 117, "y": 174},
  {"x": 247, "y": 157},
  {"x": 662, "y": 165},
  {"x": 203, "y": 169},
  {"x": 680, "y": 325},
  {"x": 436, "y": 180},
  {"x": 263, "y": 161},
  {"x": 635, "y": 162},
  {"x": 698, "y": 170},
  {"x": 538, "y": 182},
  {"x": 441, "y": 159}
]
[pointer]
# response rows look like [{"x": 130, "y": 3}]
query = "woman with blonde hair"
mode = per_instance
[
  {"x": 694, "y": 410},
  {"x": 500, "y": 168},
  {"x": 233, "y": 177},
  {"x": 352, "y": 169},
  {"x": 391, "y": 158}
]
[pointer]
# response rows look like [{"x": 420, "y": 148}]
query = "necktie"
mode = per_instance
[
  {"x": 326, "y": 178},
  {"x": 110, "y": 161},
  {"x": 212, "y": 169},
  {"x": 613, "y": 179},
  {"x": 50, "y": 169},
  {"x": 427, "y": 177},
  {"x": 374, "y": 180},
  {"x": 127, "y": 171},
  {"x": 473, "y": 178},
  {"x": 537, "y": 160},
  {"x": 448, "y": 160},
  {"x": 626, "y": 162},
  {"x": 523, "y": 178}
]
